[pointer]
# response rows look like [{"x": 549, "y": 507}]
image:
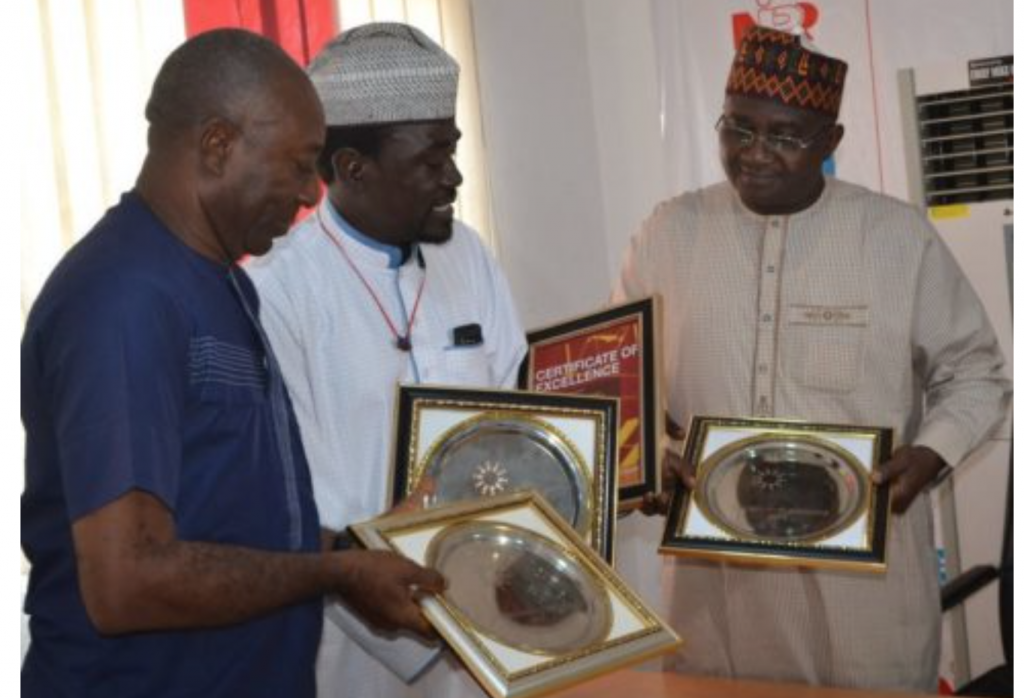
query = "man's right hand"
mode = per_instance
[{"x": 384, "y": 588}]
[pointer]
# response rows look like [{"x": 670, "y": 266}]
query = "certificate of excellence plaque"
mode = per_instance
[{"x": 613, "y": 352}]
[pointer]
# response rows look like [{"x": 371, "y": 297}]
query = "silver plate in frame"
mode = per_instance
[
  {"x": 575, "y": 434},
  {"x": 499, "y": 452},
  {"x": 783, "y": 489},
  {"x": 521, "y": 588},
  {"x": 842, "y": 527},
  {"x": 505, "y": 671}
]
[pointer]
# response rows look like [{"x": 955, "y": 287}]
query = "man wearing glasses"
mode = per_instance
[{"x": 790, "y": 295}]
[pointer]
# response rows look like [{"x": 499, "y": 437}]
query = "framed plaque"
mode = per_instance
[
  {"x": 783, "y": 493},
  {"x": 529, "y": 607},
  {"x": 613, "y": 352},
  {"x": 455, "y": 444}
]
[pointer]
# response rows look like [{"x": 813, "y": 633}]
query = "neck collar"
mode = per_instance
[
  {"x": 397, "y": 255},
  {"x": 818, "y": 203}
]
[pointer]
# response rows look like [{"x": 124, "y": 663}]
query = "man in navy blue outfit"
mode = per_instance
[{"x": 168, "y": 512}]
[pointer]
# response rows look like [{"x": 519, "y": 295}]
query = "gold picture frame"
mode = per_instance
[
  {"x": 783, "y": 493},
  {"x": 471, "y": 443},
  {"x": 551, "y": 612},
  {"x": 615, "y": 351}
]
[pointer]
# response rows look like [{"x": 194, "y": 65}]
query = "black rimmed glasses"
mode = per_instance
[{"x": 741, "y": 137}]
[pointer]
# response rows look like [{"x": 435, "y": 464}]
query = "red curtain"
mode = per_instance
[{"x": 300, "y": 27}]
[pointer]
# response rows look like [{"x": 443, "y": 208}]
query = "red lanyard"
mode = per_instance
[{"x": 403, "y": 342}]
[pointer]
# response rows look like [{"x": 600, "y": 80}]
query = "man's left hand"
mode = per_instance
[{"x": 911, "y": 469}]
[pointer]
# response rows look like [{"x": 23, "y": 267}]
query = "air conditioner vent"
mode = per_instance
[{"x": 967, "y": 145}]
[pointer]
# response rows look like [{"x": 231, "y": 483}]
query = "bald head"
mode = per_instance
[{"x": 220, "y": 74}]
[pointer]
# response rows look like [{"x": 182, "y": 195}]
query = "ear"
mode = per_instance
[
  {"x": 350, "y": 166},
  {"x": 216, "y": 141},
  {"x": 835, "y": 139}
]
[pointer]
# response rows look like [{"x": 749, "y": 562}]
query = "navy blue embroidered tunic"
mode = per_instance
[{"x": 144, "y": 368}]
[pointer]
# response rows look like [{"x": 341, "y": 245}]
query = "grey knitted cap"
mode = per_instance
[{"x": 384, "y": 72}]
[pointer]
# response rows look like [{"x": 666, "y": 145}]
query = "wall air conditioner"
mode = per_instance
[{"x": 958, "y": 131}]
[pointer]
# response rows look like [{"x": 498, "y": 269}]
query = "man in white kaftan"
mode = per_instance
[
  {"x": 788, "y": 295},
  {"x": 371, "y": 291}
]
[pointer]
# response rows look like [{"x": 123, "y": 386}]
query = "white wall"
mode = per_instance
[
  {"x": 633, "y": 167},
  {"x": 540, "y": 137},
  {"x": 572, "y": 134}
]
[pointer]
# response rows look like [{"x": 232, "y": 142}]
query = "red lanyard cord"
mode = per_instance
[{"x": 403, "y": 342}]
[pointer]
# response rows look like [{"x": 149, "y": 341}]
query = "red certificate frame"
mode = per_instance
[{"x": 615, "y": 353}]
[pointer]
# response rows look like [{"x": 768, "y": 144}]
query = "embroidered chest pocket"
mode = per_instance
[
  {"x": 220, "y": 372},
  {"x": 823, "y": 346}
]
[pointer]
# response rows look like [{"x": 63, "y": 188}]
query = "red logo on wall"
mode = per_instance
[{"x": 792, "y": 17}]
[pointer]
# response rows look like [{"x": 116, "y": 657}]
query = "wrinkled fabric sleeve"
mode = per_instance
[
  {"x": 635, "y": 280},
  {"x": 958, "y": 359},
  {"x": 117, "y": 374}
]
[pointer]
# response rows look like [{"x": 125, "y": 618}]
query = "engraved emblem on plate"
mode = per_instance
[
  {"x": 786, "y": 499},
  {"x": 490, "y": 478}
]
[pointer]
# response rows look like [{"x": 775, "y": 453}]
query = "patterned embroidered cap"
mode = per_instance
[
  {"x": 773, "y": 65},
  {"x": 384, "y": 72}
]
